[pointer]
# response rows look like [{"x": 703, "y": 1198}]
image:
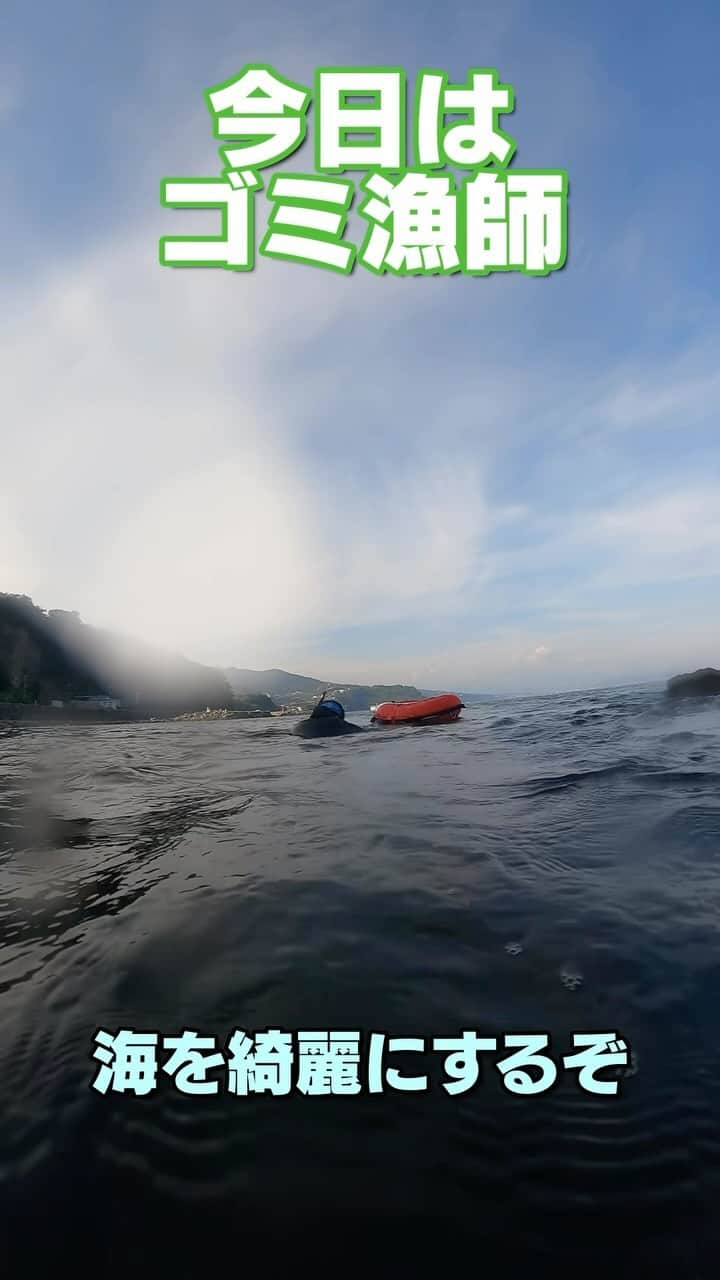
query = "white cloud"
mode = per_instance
[
  {"x": 649, "y": 391},
  {"x": 538, "y": 654},
  {"x": 666, "y": 536},
  {"x": 169, "y": 494},
  {"x": 668, "y": 524}
]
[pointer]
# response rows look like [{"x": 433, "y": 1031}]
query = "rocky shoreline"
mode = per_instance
[
  {"x": 38, "y": 713},
  {"x": 224, "y": 714}
]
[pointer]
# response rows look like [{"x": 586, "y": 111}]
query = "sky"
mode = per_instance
[{"x": 502, "y": 483}]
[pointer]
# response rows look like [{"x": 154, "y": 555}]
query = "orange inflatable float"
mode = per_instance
[{"x": 442, "y": 709}]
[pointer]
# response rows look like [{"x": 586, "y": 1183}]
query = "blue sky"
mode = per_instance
[{"x": 500, "y": 483}]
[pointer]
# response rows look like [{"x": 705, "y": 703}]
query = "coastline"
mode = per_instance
[
  {"x": 36, "y": 713},
  {"x": 43, "y": 714}
]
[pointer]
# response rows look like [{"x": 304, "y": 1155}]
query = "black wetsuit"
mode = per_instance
[{"x": 324, "y": 723}]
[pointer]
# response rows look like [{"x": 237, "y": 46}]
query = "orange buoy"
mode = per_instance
[{"x": 442, "y": 709}]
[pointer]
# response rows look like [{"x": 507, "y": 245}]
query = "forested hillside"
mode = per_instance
[{"x": 53, "y": 655}]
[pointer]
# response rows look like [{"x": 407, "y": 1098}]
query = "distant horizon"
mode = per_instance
[{"x": 455, "y": 687}]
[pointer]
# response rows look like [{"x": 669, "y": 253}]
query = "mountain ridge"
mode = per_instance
[
  {"x": 291, "y": 687},
  {"x": 297, "y": 690}
]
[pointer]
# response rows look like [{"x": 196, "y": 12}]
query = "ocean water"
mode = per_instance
[{"x": 545, "y": 866}]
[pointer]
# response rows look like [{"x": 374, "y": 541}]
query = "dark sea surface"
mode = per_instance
[{"x": 545, "y": 865}]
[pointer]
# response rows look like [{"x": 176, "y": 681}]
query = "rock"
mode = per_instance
[{"x": 698, "y": 684}]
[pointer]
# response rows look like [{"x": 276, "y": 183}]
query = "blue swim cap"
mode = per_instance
[{"x": 333, "y": 707}]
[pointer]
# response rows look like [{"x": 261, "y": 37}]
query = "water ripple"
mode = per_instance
[{"x": 548, "y": 864}]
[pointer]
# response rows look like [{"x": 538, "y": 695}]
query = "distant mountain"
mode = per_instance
[
  {"x": 275, "y": 683},
  {"x": 360, "y": 697},
  {"x": 295, "y": 690},
  {"x": 54, "y": 656}
]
